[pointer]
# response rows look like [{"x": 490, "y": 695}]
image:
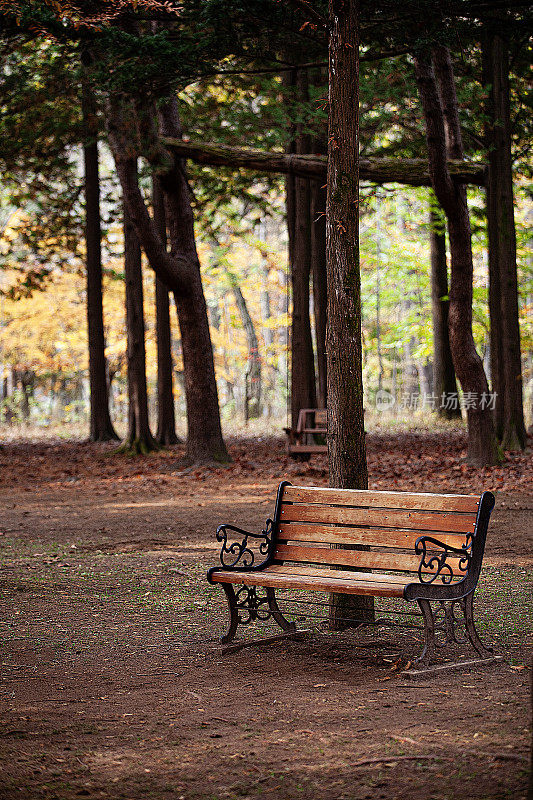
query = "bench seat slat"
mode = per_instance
[
  {"x": 351, "y": 575},
  {"x": 329, "y": 584},
  {"x": 422, "y": 501},
  {"x": 377, "y": 537},
  {"x": 370, "y": 517},
  {"x": 355, "y": 558}
]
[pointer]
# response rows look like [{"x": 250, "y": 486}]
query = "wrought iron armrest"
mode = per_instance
[
  {"x": 237, "y": 555},
  {"x": 434, "y": 568},
  {"x": 438, "y": 561}
]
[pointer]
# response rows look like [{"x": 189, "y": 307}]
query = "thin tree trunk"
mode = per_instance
[
  {"x": 381, "y": 371},
  {"x": 320, "y": 290},
  {"x": 269, "y": 369},
  {"x": 101, "y": 427},
  {"x": 166, "y": 420},
  {"x": 444, "y": 382},
  {"x": 303, "y": 388},
  {"x": 346, "y": 431},
  {"x": 502, "y": 248},
  {"x": 139, "y": 438},
  {"x": 27, "y": 385},
  {"x": 252, "y": 378},
  {"x": 444, "y": 139},
  {"x": 319, "y": 145},
  {"x": 497, "y": 379}
]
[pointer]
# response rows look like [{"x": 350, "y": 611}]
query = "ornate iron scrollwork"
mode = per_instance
[
  {"x": 446, "y": 622},
  {"x": 434, "y": 565},
  {"x": 238, "y": 555},
  {"x": 250, "y": 606},
  {"x": 444, "y": 627}
]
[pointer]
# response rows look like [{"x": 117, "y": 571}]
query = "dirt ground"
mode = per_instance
[{"x": 113, "y": 681}]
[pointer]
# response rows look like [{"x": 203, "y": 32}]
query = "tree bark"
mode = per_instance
[
  {"x": 139, "y": 438},
  {"x": 101, "y": 427},
  {"x": 506, "y": 364},
  {"x": 303, "y": 387},
  {"x": 408, "y": 171},
  {"x": 178, "y": 269},
  {"x": 444, "y": 382},
  {"x": 320, "y": 289},
  {"x": 346, "y": 433},
  {"x": 166, "y": 419},
  {"x": 443, "y": 136}
]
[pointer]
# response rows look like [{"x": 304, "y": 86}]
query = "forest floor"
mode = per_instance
[{"x": 114, "y": 685}]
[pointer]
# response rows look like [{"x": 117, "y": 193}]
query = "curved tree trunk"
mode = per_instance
[
  {"x": 346, "y": 431},
  {"x": 166, "y": 419},
  {"x": 444, "y": 139},
  {"x": 178, "y": 269},
  {"x": 444, "y": 383},
  {"x": 139, "y": 438},
  {"x": 204, "y": 439},
  {"x": 252, "y": 401},
  {"x": 101, "y": 427}
]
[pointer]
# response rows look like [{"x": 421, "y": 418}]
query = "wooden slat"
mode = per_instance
[
  {"x": 355, "y": 558},
  {"x": 373, "y": 577},
  {"x": 360, "y": 497},
  {"x": 342, "y": 585},
  {"x": 369, "y": 517},
  {"x": 377, "y": 537},
  {"x": 308, "y": 448}
]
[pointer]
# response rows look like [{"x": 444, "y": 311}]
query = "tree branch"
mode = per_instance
[{"x": 409, "y": 171}]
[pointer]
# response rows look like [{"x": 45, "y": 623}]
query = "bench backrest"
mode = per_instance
[
  {"x": 317, "y": 525},
  {"x": 311, "y": 419}
]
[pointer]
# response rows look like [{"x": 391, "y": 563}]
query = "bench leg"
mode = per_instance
[
  {"x": 276, "y": 613},
  {"x": 471, "y": 632},
  {"x": 233, "y": 615},
  {"x": 245, "y": 606},
  {"x": 429, "y": 632},
  {"x": 442, "y": 628}
]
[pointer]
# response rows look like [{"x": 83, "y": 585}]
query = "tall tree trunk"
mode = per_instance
[
  {"x": 496, "y": 359},
  {"x": 444, "y": 140},
  {"x": 166, "y": 420},
  {"x": 179, "y": 270},
  {"x": 346, "y": 430},
  {"x": 303, "y": 388},
  {"x": 444, "y": 382},
  {"x": 270, "y": 369},
  {"x": 319, "y": 145},
  {"x": 204, "y": 440},
  {"x": 139, "y": 438},
  {"x": 506, "y": 366},
  {"x": 101, "y": 427}
]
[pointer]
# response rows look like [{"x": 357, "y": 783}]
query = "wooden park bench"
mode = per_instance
[
  {"x": 312, "y": 422},
  {"x": 426, "y": 548}
]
